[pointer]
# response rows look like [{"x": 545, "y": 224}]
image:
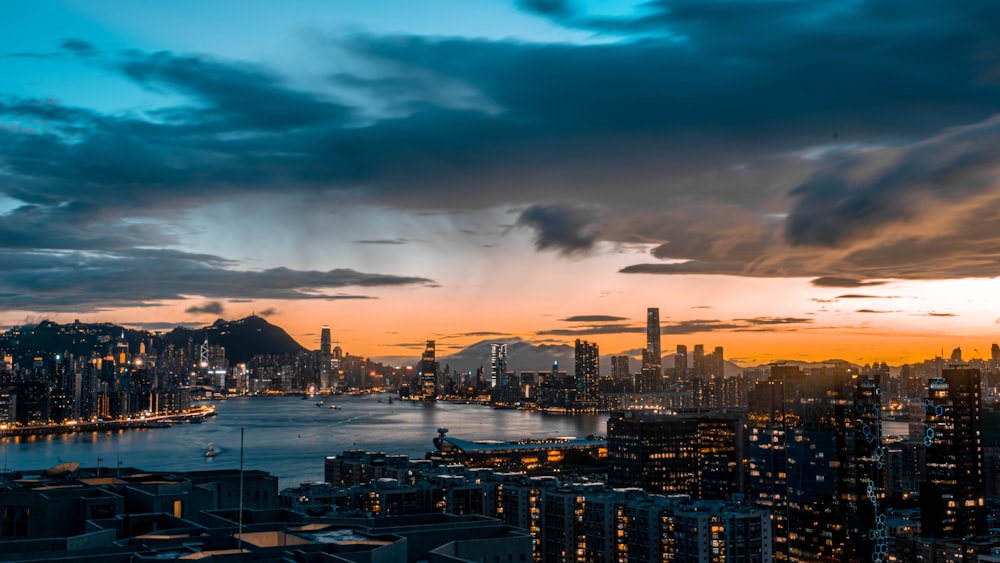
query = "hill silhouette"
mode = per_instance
[{"x": 243, "y": 339}]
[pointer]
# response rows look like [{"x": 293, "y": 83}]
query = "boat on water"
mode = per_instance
[
  {"x": 319, "y": 404},
  {"x": 335, "y": 407},
  {"x": 211, "y": 450}
]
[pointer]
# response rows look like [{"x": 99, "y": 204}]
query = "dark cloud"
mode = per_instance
[
  {"x": 689, "y": 131},
  {"x": 593, "y": 319},
  {"x": 486, "y": 333},
  {"x": 873, "y": 311},
  {"x": 565, "y": 228},
  {"x": 700, "y": 325},
  {"x": 269, "y": 312},
  {"x": 865, "y": 296},
  {"x": 210, "y": 307},
  {"x": 775, "y": 320},
  {"x": 762, "y": 324},
  {"x": 79, "y": 47},
  {"x": 933, "y": 314},
  {"x": 382, "y": 241},
  {"x": 237, "y": 96},
  {"x": 593, "y": 330},
  {"x": 843, "y": 281},
  {"x": 558, "y": 8},
  {"x": 833, "y": 210},
  {"x": 73, "y": 281}
]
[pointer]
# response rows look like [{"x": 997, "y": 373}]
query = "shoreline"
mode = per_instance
[{"x": 157, "y": 421}]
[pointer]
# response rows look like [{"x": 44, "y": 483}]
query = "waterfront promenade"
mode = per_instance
[{"x": 197, "y": 414}]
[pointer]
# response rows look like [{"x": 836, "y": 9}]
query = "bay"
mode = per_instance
[{"x": 290, "y": 437}]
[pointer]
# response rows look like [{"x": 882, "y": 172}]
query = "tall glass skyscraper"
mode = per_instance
[
  {"x": 652, "y": 355},
  {"x": 498, "y": 365},
  {"x": 428, "y": 372}
]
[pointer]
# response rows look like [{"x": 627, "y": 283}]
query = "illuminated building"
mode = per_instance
[
  {"x": 498, "y": 365},
  {"x": 521, "y": 455},
  {"x": 652, "y": 360},
  {"x": 952, "y": 494},
  {"x": 700, "y": 455},
  {"x": 428, "y": 372},
  {"x": 325, "y": 341},
  {"x": 588, "y": 368},
  {"x": 620, "y": 368}
]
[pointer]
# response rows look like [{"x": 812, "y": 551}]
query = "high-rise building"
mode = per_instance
[
  {"x": 620, "y": 368},
  {"x": 698, "y": 455},
  {"x": 698, "y": 360},
  {"x": 652, "y": 357},
  {"x": 681, "y": 360},
  {"x": 952, "y": 502},
  {"x": 428, "y": 372},
  {"x": 498, "y": 365},
  {"x": 324, "y": 341},
  {"x": 588, "y": 367}
]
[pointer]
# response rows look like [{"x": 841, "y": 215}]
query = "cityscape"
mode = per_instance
[
  {"x": 834, "y": 462},
  {"x": 711, "y": 281}
]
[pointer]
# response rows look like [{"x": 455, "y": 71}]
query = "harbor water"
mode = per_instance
[{"x": 289, "y": 437}]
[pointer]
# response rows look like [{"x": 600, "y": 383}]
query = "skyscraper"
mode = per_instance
[
  {"x": 324, "y": 341},
  {"x": 588, "y": 368},
  {"x": 620, "y": 367},
  {"x": 952, "y": 500},
  {"x": 498, "y": 365},
  {"x": 428, "y": 372},
  {"x": 651, "y": 355}
]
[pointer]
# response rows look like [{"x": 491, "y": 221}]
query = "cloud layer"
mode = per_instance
[{"x": 851, "y": 144}]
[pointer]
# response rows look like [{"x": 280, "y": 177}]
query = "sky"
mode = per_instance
[{"x": 788, "y": 179}]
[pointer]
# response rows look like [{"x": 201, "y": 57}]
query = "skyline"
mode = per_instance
[{"x": 786, "y": 180}]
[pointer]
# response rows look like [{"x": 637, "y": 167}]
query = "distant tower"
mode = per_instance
[
  {"x": 498, "y": 365},
  {"x": 428, "y": 372},
  {"x": 325, "y": 359},
  {"x": 681, "y": 360},
  {"x": 651, "y": 355},
  {"x": 324, "y": 341},
  {"x": 619, "y": 368}
]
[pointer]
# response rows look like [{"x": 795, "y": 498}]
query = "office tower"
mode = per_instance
[
  {"x": 428, "y": 372},
  {"x": 652, "y": 355},
  {"x": 324, "y": 341},
  {"x": 588, "y": 368},
  {"x": 994, "y": 358},
  {"x": 681, "y": 360},
  {"x": 698, "y": 360},
  {"x": 956, "y": 355},
  {"x": 620, "y": 368},
  {"x": 697, "y": 455},
  {"x": 866, "y": 514},
  {"x": 498, "y": 365},
  {"x": 952, "y": 495}
]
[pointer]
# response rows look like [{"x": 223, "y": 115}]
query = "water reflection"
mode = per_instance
[{"x": 290, "y": 437}]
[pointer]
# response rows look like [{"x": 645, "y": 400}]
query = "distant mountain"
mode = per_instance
[
  {"x": 242, "y": 339},
  {"x": 523, "y": 355},
  {"x": 808, "y": 365}
]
